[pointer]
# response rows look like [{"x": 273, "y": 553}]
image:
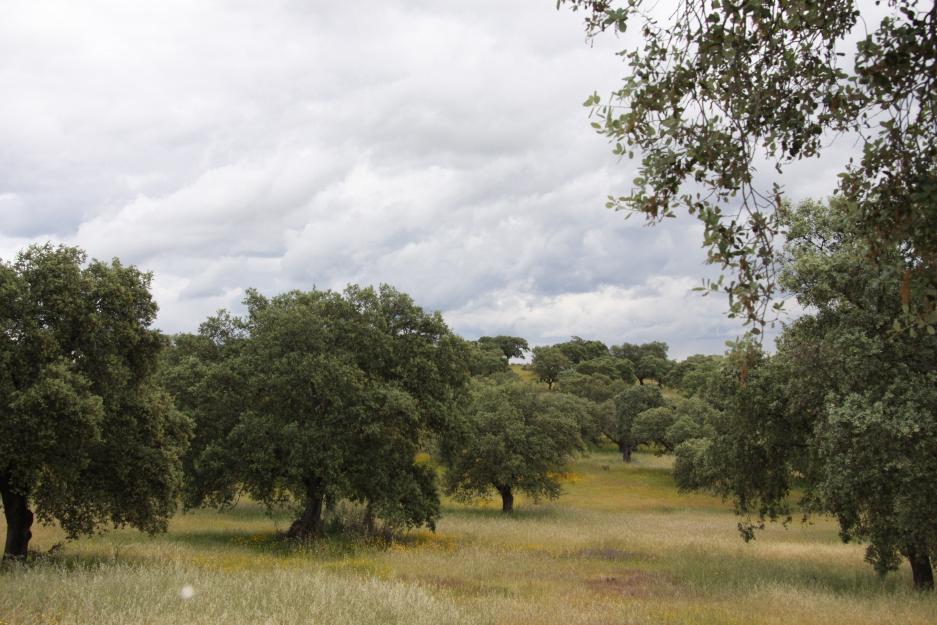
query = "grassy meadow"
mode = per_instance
[{"x": 621, "y": 546}]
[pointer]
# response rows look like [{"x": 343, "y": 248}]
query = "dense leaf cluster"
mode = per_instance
[
  {"x": 86, "y": 435},
  {"x": 846, "y": 410},
  {"x": 513, "y": 437},
  {"x": 316, "y": 396}
]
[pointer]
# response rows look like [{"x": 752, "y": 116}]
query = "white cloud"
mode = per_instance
[
  {"x": 437, "y": 146},
  {"x": 662, "y": 307}
]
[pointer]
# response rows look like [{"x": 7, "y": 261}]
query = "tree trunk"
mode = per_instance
[
  {"x": 641, "y": 381},
  {"x": 368, "y": 518},
  {"x": 309, "y": 524},
  {"x": 507, "y": 499},
  {"x": 625, "y": 452},
  {"x": 19, "y": 520},
  {"x": 921, "y": 569}
]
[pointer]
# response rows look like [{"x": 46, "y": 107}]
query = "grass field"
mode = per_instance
[
  {"x": 621, "y": 546},
  {"x": 525, "y": 374}
]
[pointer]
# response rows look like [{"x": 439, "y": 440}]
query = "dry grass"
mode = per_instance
[
  {"x": 526, "y": 374},
  {"x": 622, "y": 546}
]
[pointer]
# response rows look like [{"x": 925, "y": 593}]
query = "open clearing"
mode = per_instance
[{"x": 621, "y": 546}]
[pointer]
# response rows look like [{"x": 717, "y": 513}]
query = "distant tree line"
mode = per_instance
[{"x": 311, "y": 398}]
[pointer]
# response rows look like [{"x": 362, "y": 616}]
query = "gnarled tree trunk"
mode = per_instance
[
  {"x": 922, "y": 572},
  {"x": 309, "y": 524},
  {"x": 507, "y": 498},
  {"x": 19, "y": 520}
]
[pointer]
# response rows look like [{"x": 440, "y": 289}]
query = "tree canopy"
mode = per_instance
[
  {"x": 578, "y": 349},
  {"x": 673, "y": 423},
  {"x": 513, "y": 437},
  {"x": 615, "y": 368},
  {"x": 846, "y": 410},
  {"x": 510, "y": 346},
  {"x": 598, "y": 391},
  {"x": 618, "y": 423},
  {"x": 649, "y": 359},
  {"x": 596, "y": 387},
  {"x": 548, "y": 363},
  {"x": 334, "y": 393},
  {"x": 694, "y": 374},
  {"x": 485, "y": 358},
  {"x": 717, "y": 88},
  {"x": 87, "y": 438}
]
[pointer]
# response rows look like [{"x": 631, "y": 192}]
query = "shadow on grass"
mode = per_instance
[
  {"x": 521, "y": 513},
  {"x": 242, "y": 511},
  {"x": 73, "y": 562},
  {"x": 226, "y": 539},
  {"x": 335, "y": 543},
  {"x": 708, "y": 573}
]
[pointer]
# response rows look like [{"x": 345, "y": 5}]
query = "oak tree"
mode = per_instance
[
  {"x": 335, "y": 393},
  {"x": 845, "y": 412},
  {"x": 548, "y": 363},
  {"x": 87, "y": 438},
  {"x": 628, "y": 404},
  {"x": 512, "y": 437}
]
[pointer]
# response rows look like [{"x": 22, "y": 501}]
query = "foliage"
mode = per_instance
[
  {"x": 578, "y": 349},
  {"x": 548, "y": 363},
  {"x": 485, "y": 358},
  {"x": 652, "y": 425},
  {"x": 86, "y": 436},
  {"x": 634, "y": 352},
  {"x": 684, "y": 428},
  {"x": 718, "y": 87},
  {"x": 755, "y": 448},
  {"x": 618, "y": 423},
  {"x": 695, "y": 374},
  {"x": 845, "y": 410},
  {"x": 596, "y": 387},
  {"x": 877, "y": 467},
  {"x": 329, "y": 396},
  {"x": 513, "y": 437},
  {"x": 693, "y": 419},
  {"x": 510, "y": 346},
  {"x": 598, "y": 391},
  {"x": 653, "y": 367},
  {"x": 615, "y": 368},
  {"x": 649, "y": 359},
  {"x": 690, "y": 465}
]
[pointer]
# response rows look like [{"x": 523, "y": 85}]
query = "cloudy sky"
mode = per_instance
[{"x": 439, "y": 146}]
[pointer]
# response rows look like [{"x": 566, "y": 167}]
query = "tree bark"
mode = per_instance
[
  {"x": 507, "y": 499},
  {"x": 309, "y": 524},
  {"x": 368, "y": 519},
  {"x": 625, "y": 452},
  {"x": 921, "y": 569},
  {"x": 19, "y": 520}
]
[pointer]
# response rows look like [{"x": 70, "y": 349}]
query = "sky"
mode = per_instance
[{"x": 438, "y": 146}]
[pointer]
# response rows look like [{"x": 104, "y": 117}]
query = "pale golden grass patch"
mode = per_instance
[{"x": 124, "y": 594}]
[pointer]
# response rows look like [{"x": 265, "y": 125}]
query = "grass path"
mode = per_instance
[{"x": 621, "y": 546}]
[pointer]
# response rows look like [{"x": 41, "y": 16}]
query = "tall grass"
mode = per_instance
[
  {"x": 621, "y": 546},
  {"x": 120, "y": 593}
]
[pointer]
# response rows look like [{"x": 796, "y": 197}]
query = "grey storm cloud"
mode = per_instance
[{"x": 437, "y": 146}]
